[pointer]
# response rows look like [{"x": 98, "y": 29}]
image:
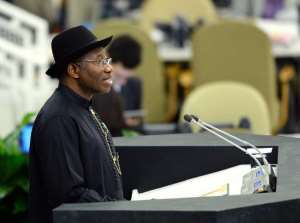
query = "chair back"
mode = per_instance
[
  {"x": 227, "y": 103},
  {"x": 164, "y": 11},
  {"x": 236, "y": 51}
]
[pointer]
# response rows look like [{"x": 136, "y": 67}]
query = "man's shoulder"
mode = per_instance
[
  {"x": 55, "y": 108},
  {"x": 53, "y": 123},
  {"x": 51, "y": 107}
]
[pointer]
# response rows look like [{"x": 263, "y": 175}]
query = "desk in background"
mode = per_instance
[{"x": 284, "y": 36}]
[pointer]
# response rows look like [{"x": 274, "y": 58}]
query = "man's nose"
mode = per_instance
[{"x": 108, "y": 68}]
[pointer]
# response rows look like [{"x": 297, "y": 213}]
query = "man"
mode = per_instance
[{"x": 72, "y": 158}]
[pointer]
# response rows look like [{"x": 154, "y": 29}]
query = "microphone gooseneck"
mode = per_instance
[
  {"x": 214, "y": 131},
  {"x": 233, "y": 137}
]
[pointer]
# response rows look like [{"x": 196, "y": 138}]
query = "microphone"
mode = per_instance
[
  {"x": 233, "y": 137},
  {"x": 268, "y": 175},
  {"x": 191, "y": 119}
]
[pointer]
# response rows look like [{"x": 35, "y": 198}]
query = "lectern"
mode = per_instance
[{"x": 150, "y": 162}]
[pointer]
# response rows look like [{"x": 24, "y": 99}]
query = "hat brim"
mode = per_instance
[{"x": 57, "y": 68}]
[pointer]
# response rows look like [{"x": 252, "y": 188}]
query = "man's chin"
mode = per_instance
[{"x": 104, "y": 91}]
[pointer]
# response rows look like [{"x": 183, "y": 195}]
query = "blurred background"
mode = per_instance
[{"x": 234, "y": 63}]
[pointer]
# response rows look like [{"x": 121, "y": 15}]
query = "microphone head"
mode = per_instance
[
  {"x": 195, "y": 118},
  {"x": 187, "y": 118}
]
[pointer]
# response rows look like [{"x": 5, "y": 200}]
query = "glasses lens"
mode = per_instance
[{"x": 106, "y": 61}]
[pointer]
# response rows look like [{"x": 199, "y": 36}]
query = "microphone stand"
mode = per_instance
[
  {"x": 267, "y": 172},
  {"x": 266, "y": 163}
]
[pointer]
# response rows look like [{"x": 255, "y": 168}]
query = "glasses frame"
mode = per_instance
[{"x": 99, "y": 62}]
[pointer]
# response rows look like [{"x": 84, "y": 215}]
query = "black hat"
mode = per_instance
[{"x": 70, "y": 45}]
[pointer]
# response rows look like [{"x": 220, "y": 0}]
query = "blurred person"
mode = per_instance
[
  {"x": 119, "y": 8},
  {"x": 126, "y": 56},
  {"x": 72, "y": 157},
  {"x": 271, "y": 8}
]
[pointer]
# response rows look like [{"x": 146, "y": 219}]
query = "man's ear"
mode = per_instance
[{"x": 73, "y": 70}]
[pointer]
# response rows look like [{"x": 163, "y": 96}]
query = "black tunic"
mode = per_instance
[{"x": 70, "y": 160}]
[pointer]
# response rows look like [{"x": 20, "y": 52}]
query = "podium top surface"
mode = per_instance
[
  {"x": 202, "y": 139},
  {"x": 219, "y": 203}
]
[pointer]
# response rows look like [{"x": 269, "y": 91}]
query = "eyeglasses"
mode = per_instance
[{"x": 103, "y": 62}]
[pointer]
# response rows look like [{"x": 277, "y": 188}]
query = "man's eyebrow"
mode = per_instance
[{"x": 101, "y": 55}]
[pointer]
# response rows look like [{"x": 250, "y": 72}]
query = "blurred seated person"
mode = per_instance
[
  {"x": 271, "y": 8},
  {"x": 126, "y": 56},
  {"x": 120, "y": 8}
]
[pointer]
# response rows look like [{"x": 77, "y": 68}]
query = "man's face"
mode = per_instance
[{"x": 94, "y": 75}]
